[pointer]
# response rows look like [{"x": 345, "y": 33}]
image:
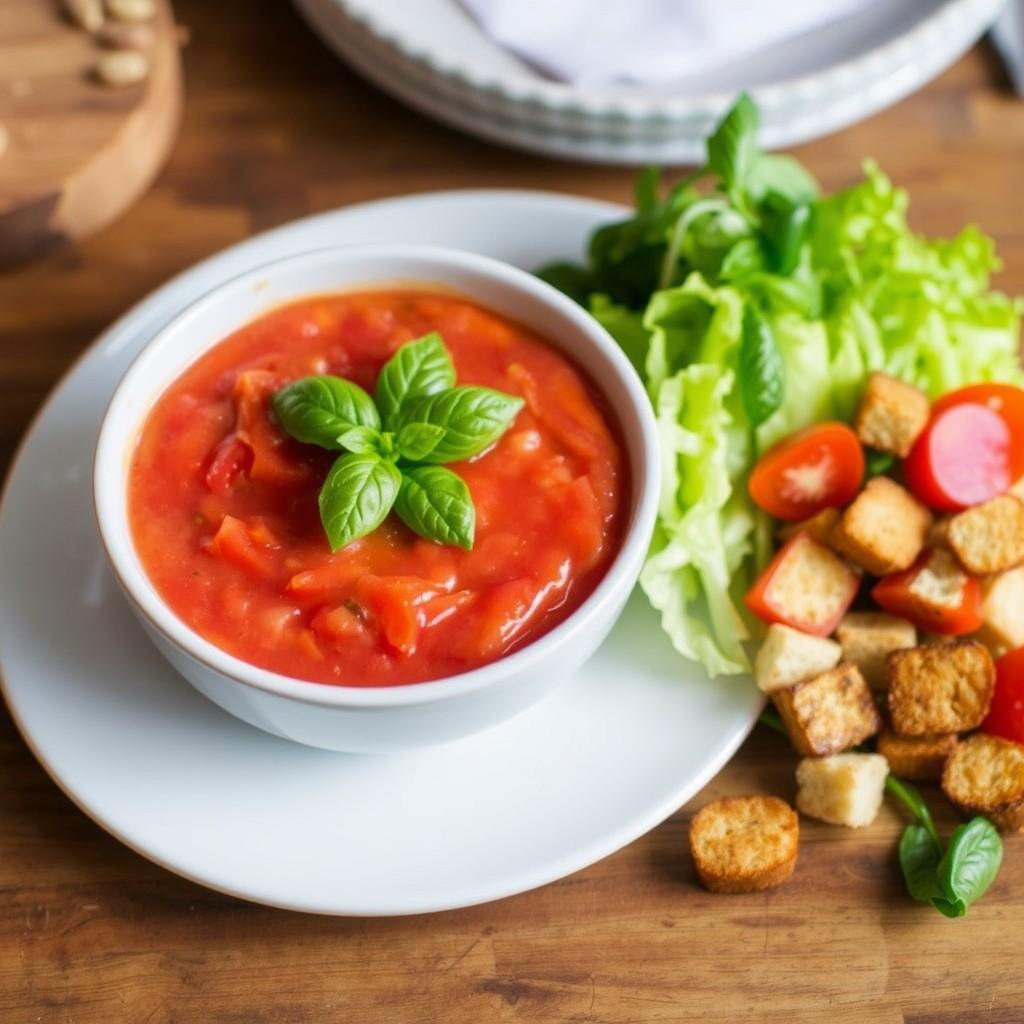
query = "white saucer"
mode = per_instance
[{"x": 606, "y": 758}]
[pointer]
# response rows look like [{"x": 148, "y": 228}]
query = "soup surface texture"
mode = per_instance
[{"x": 223, "y": 505}]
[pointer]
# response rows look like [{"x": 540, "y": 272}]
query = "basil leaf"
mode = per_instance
[
  {"x": 416, "y": 441},
  {"x": 762, "y": 373},
  {"x": 417, "y": 369},
  {"x": 911, "y": 798},
  {"x": 356, "y": 497},
  {"x": 360, "y": 440},
  {"x": 786, "y": 226},
  {"x": 732, "y": 148},
  {"x": 435, "y": 503},
  {"x": 317, "y": 410},
  {"x": 776, "y": 172},
  {"x": 473, "y": 419},
  {"x": 971, "y": 863},
  {"x": 920, "y": 855}
]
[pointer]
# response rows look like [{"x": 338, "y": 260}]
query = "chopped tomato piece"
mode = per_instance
[
  {"x": 817, "y": 468},
  {"x": 340, "y": 625},
  {"x": 806, "y": 586},
  {"x": 1006, "y": 716},
  {"x": 935, "y": 594},
  {"x": 972, "y": 449},
  {"x": 232, "y": 458},
  {"x": 439, "y": 609},
  {"x": 578, "y": 504},
  {"x": 396, "y": 602},
  {"x": 273, "y": 455},
  {"x": 234, "y": 544},
  {"x": 509, "y": 607}
]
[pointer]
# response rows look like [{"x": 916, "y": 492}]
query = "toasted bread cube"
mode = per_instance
[
  {"x": 819, "y": 527},
  {"x": 940, "y": 688},
  {"x": 916, "y": 758},
  {"x": 1002, "y": 610},
  {"x": 985, "y": 775},
  {"x": 829, "y": 713},
  {"x": 938, "y": 534},
  {"x": 990, "y": 537},
  {"x": 891, "y": 415},
  {"x": 744, "y": 843},
  {"x": 788, "y": 656},
  {"x": 883, "y": 531},
  {"x": 867, "y": 638},
  {"x": 808, "y": 587},
  {"x": 844, "y": 789}
]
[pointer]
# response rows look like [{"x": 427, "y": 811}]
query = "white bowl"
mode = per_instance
[{"x": 374, "y": 719}]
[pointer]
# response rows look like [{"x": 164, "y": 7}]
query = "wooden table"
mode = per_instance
[{"x": 90, "y": 933}]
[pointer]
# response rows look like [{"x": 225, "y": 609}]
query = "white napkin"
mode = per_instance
[{"x": 645, "y": 42}]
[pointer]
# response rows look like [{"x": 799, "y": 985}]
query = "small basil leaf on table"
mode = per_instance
[
  {"x": 435, "y": 503},
  {"x": 417, "y": 369},
  {"x": 761, "y": 370},
  {"x": 473, "y": 419},
  {"x": 360, "y": 440},
  {"x": 359, "y": 492},
  {"x": 920, "y": 855},
  {"x": 971, "y": 863},
  {"x": 415, "y": 441},
  {"x": 317, "y": 410}
]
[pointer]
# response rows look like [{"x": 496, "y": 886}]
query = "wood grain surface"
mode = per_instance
[
  {"x": 90, "y": 933},
  {"x": 78, "y": 153}
]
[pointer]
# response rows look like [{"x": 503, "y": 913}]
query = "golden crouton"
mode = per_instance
[
  {"x": 819, "y": 526},
  {"x": 810, "y": 586},
  {"x": 891, "y": 415},
  {"x": 985, "y": 775},
  {"x": 829, "y": 713},
  {"x": 744, "y": 843},
  {"x": 788, "y": 656},
  {"x": 989, "y": 538},
  {"x": 1002, "y": 609},
  {"x": 916, "y": 758},
  {"x": 883, "y": 531},
  {"x": 844, "y": 789},
  {"x": 940, "y": 688},
  {"x": 868, "y": 637}
]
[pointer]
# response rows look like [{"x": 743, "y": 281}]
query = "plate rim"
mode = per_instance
[{"x": 550, "y": 870}]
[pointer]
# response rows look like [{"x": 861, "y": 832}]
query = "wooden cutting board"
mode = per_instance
[{"x": 77, "y": 153}]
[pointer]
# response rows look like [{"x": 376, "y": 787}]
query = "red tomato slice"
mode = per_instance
[
  {"x": 920, "y": 595},
  {"x": 820, "y": 467},
  {"x": 972, "y": 449},
  {"x": 1006, "y": 716},
  {"x": 232, "y": 458}
]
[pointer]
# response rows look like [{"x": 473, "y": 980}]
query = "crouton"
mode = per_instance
[
  {"x": 844, "y": 789},
  {"x": 938, "y": 534},
  {"x": 883, "y": 531},
  {"x": 788, "y": 656},
  {"x": 829, "y": 713},
  {"x": 940, "y": 688},
  {"x": 891, "y": 415},
  {"x": 868, "y": 637},
  {"x": 819, "y": 527},
  {"x": 744, "y": 843},
  {"x": 990, "y": 537},
  {"x": 916, "y": 758},
  {"x": 985, "y": 775},
  {"x": 806, "y": 586},
  {"x": 1002, "y": 610}
]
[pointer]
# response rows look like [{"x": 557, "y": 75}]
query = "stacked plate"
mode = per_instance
[{"x": 433, "y": 56}]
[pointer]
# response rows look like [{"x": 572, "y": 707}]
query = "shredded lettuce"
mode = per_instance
[{"x": 837, "y": 286}]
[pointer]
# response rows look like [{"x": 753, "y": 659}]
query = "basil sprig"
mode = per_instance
[{"x": 395, "y": 443}]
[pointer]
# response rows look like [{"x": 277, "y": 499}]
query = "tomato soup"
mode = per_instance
[{"x": 224, "y": 515}]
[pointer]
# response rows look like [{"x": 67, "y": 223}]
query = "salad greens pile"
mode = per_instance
[
  {"x": 395, "y": 443},
  {"x": 756, "y": 307}
]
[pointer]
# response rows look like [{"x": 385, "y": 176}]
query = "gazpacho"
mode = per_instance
[{"x": 377, "y": 488}]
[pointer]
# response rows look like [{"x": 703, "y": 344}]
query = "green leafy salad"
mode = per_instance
[{"x": 752, "y": 306}]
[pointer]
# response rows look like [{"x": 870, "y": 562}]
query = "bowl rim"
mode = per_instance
[{"x": 109, "y": 497}]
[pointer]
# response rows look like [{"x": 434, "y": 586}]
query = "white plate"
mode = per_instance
[
  {"x": 611, "y": 754},
  {"x": 431, "y": 55}
]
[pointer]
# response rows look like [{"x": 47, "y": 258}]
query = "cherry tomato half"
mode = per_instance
[
  {"x": 924, "y": 595},
  {"x": 972, "y": 449},
  {"x": 817, "y": 468},
  {"x": 1006, "y": 716}
]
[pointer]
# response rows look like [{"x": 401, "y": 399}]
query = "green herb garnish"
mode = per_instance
[{"x": 394, "y": 445}]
